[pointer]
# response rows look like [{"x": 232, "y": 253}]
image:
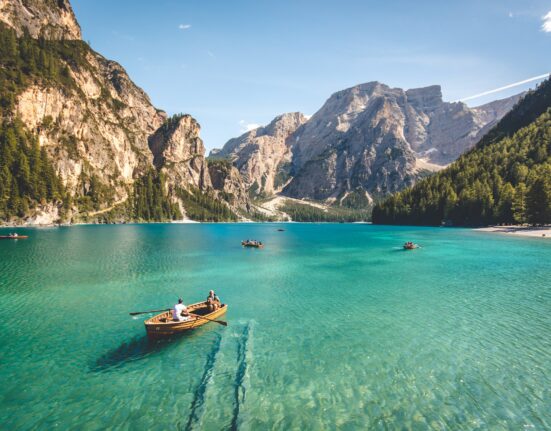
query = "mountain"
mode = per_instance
[
  {"x": 506, "y": 178},
  {"x": 366, "y": 141},
  {"x": 112, "y": 154},
  {"x": 49, "y": 19},
  {"x": 263, "y": 155}
]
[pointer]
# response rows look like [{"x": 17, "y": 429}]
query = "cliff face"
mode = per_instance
[
  {"x": 376, "y": 139},
  {"x": 51, "y": 19},
  {"x": 100, "y": 130},
  {"x": 179, "y": 151},
  {"x": 370, "y": 139},
  {"x": 228, "y": 181},
  {"x": 263, "y": 155}
]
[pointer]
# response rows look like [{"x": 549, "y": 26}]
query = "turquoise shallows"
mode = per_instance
[{"x": 331, "y": 326}]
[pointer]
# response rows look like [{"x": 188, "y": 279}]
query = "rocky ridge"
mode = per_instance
[
  {"x": 101, "y": 130},
  {"x": 263, "y": 155},
  {"x": 364, "y": 142}
]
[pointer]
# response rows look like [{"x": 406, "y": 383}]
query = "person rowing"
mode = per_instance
[{"x": 180, "y": 312}]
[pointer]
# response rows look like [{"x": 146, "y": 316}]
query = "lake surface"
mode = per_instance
[{"x": 330, "y": 326}]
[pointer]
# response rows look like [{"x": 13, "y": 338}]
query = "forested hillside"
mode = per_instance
[
  {"x": 506, "y": 178},
  {"x": 80, "y": 142},
  {"x": 27, "y": 177}
]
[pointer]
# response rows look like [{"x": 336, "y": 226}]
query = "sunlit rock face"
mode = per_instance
[
  {"x": 104, "y": 128},
  {"x": 263, "y": 155},
  {"x": 369, "y": 139}
]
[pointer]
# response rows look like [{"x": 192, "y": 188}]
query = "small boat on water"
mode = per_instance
[
  {"x": 162, "y": 325},
  {"x": 13, "y": 236},
  {"x": 281, "y": 230},
  {"x": 252, "y": 243},
  {"x": 410, "y": 246}
]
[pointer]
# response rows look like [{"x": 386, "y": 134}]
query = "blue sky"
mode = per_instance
[{"x": 235, "y": 63}]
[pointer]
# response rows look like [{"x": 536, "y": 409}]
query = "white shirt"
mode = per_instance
[{"x": 177, "y": 312}]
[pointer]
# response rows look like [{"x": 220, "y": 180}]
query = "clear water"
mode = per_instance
[{"x": 330, "y": 326}]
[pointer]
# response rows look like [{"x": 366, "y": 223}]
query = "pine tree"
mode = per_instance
[
  {"x": 519, "y": 204},
  {"x": 538, "y": 201}
]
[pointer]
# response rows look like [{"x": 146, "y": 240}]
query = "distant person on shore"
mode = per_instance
[
  {"x": 213, "y": 302},
  {"x": 179, "y": 312}
]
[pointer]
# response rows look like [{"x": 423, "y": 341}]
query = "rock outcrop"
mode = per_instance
[
  {"x": 179, "y": 152},
  {"x": 369, "y": 140},
  {"x": 101, "y": 130},
  {"x": 263, "y": 155},
  {"x": 50, "y": 19},
  {"x": 229, "y": 183}
]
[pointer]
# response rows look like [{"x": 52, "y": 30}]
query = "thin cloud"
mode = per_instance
[
  {"x": 505, "y": 87},
  {"x": 546, "y": 26},
  {"x": 211, "y": 54},
  {"x": 247, "y": 127},
  {"x": 184, "y": 26}
]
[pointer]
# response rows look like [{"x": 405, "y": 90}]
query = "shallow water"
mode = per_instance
[{"x": 330, "y": 326}]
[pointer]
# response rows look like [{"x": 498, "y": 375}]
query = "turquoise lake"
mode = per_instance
[{"x": 331, "y": 326}]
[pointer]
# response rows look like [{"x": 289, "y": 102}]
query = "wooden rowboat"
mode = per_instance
[
  {"x": 162, "y": 324},
  {"x": 13, "y": 237}
]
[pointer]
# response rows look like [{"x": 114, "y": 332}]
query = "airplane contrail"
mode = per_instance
[{"x": 506, "y": 87}]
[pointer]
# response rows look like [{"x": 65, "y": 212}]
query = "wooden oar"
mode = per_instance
[
  {"x": 150, "y": 311},
  {"x": 210, "y": 320}
]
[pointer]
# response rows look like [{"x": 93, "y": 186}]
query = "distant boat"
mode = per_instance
[
  {"x": 281, "y": 230},
  {"x": 13, "y": 237},
  {"x": 162, "y": 325},
  {"x": 253, "y": 243},
  {"x": 410, "y": 246}
]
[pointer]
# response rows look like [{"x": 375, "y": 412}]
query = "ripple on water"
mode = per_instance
[{"x": 329, "y": 326}]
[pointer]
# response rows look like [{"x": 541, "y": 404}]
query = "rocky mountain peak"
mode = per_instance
[
  {"x": 50, "y": 19},
  {"x": 282, "y": 125},
  {"x": 425, "y": 99},
  {"x": 176, "y": 146},
  {"x": 263, "y": 155},
  {"x": 367, "y": 140}
]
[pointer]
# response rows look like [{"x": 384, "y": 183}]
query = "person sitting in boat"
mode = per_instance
[
  {"x": 213, "y": 302},
  {"x": 179, "y": 312}
]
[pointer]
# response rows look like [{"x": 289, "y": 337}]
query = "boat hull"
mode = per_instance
[
  {"x": 162, "y": 325},
  {"x": 13, "y": 237}
]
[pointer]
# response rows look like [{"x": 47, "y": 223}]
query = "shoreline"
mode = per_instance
[
  {"x": 524, "y": 231},
  {"x": 181, "y": 222}
]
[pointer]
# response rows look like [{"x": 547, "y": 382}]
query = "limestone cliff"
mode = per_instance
[
  {"x": 366, "y": 141},
  {"x": 377, "y": 140},
  {"x": 179, "y": 151},
  {"x": 100, "y": 129},
  {"x": 228, "y": 181},
  {"x": 263, "y": 155},
  {"x": 51, "y": 19}
]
